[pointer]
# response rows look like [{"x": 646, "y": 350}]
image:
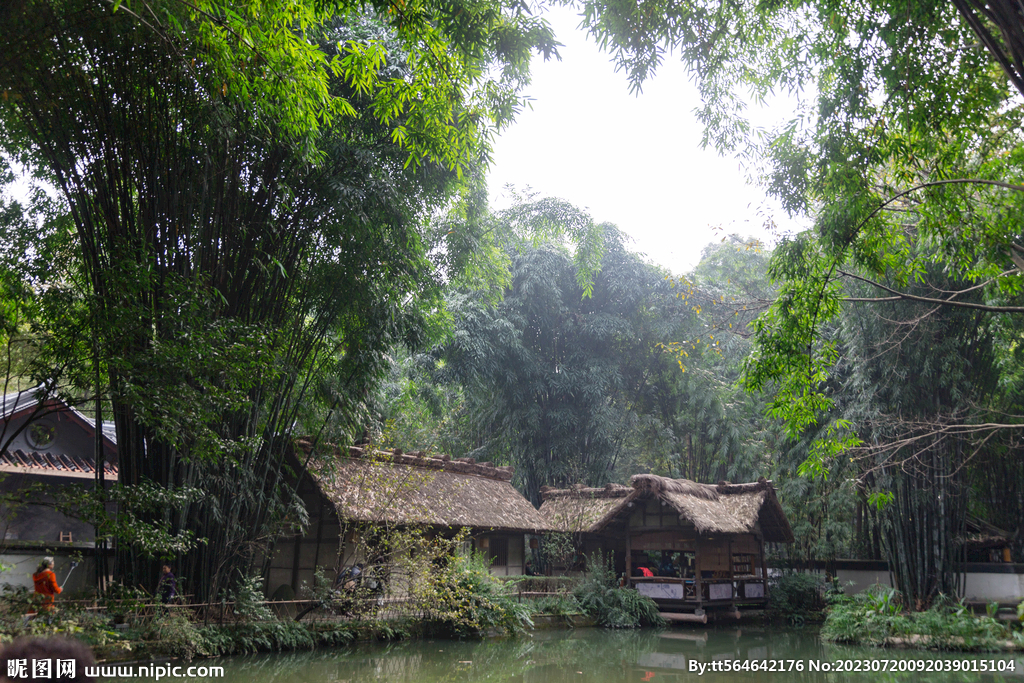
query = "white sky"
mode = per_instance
[{"x": 634, "y": 161}]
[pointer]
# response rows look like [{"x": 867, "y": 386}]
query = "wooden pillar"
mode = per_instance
[
  {"x": 696, "y": 571},
  {"x": 629, "y": 555},
  {"x": 764, "y": 566},
  {"x": 732, "y": 570}
]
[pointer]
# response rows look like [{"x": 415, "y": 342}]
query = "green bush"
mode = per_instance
[
  {"x": 601, "y": 598},
  {"x": 875, "y": 618},
  {"x": 178, "y": 636},
  {"x": 796, "y": 597},
  {"x": 465, "y": 600},
  {"x": 883, "y": 600},
  {"x": 250, "y": 604},
  {"x": 122, "y": 602}
]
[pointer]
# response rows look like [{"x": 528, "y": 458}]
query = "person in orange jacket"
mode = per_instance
[{"x": 46, "y": 583}]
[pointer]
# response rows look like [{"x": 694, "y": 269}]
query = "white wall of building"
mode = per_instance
[
  {"x": 1000, "y": 583},
  {"x": 22, "y": 565}
]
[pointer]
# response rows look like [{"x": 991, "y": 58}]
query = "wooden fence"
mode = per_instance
[{"x": 135, "y": 612}]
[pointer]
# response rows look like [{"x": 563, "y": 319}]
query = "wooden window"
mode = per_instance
[{"x": 499, "y": 552}]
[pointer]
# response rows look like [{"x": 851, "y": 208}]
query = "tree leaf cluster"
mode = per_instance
[{"x": 239, "y": 229}]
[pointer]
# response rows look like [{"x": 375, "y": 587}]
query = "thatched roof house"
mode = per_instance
[
  {"x": 581, "y": 509},
  {"x": 349, "y": 491},
  {"x": 686, "y": 545},
  {"x": 723, "y": 508},
  {"x": 416, "y": 489}
]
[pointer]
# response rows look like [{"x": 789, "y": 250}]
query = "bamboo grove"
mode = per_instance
[
  {"x": 236, "y": 269},
  {"x": 271, "y": 223}
]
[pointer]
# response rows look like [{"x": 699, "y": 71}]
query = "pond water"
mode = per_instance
[{"x": 707, "y": 655}]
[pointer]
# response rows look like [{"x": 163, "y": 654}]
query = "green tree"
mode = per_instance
[
  {"x": 553, "y": 372},
  {"x": 909, "y": 377},
  {"x": 728, "y": 288},
  {"x": 909, "y": 127},
  {"x": 693, "y": 423},
  {"x": 226, "y": 287},
  {"x": 268, "y": 57}
]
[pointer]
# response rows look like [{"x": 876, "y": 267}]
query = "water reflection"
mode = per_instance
[{"x": 597, "y": 656}]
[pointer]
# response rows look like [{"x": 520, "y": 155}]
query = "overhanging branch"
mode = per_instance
[
  {"x": 898, "y": 295},
  {"x": 1008, "y": 17}
]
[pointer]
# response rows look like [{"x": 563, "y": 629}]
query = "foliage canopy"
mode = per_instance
[{"x": 239, "y": 226}]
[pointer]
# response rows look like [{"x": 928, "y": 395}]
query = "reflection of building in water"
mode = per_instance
[
  {"x": 688, "y": 546},
  {"x": 597, "y": 656},
  {"x": 676, "y": 653}
]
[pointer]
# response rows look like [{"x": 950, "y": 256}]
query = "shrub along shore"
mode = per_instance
[
  {"x": 469, "y": 602},
  {"x": 877, "y": 618}
]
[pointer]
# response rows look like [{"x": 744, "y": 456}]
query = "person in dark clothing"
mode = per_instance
[
  {"x": 167, "y": 589},
  {"x": 349, "y": 578}
]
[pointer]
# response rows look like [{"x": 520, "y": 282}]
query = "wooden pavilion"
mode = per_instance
[{"x": 688, "y": 546}]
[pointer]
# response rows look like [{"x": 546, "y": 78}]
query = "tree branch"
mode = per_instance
[
  {"x": 924, "y": 299},
  {"x": 1006, "y": 16}
]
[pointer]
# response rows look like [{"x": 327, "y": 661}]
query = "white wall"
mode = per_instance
[
  {"x": 978, "y": 586},
  {"x": 994, "y": 587},
  {"x": 25, "y": 565},
  {"x": 861, "y": 579}
]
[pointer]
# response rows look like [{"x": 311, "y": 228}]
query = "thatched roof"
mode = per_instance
[
  {"x": 417, "y": 489},
  {"x": 723, "y": 508},
  {"x": 578, "y": 508},
  {"x": 980, "y": 535}
]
